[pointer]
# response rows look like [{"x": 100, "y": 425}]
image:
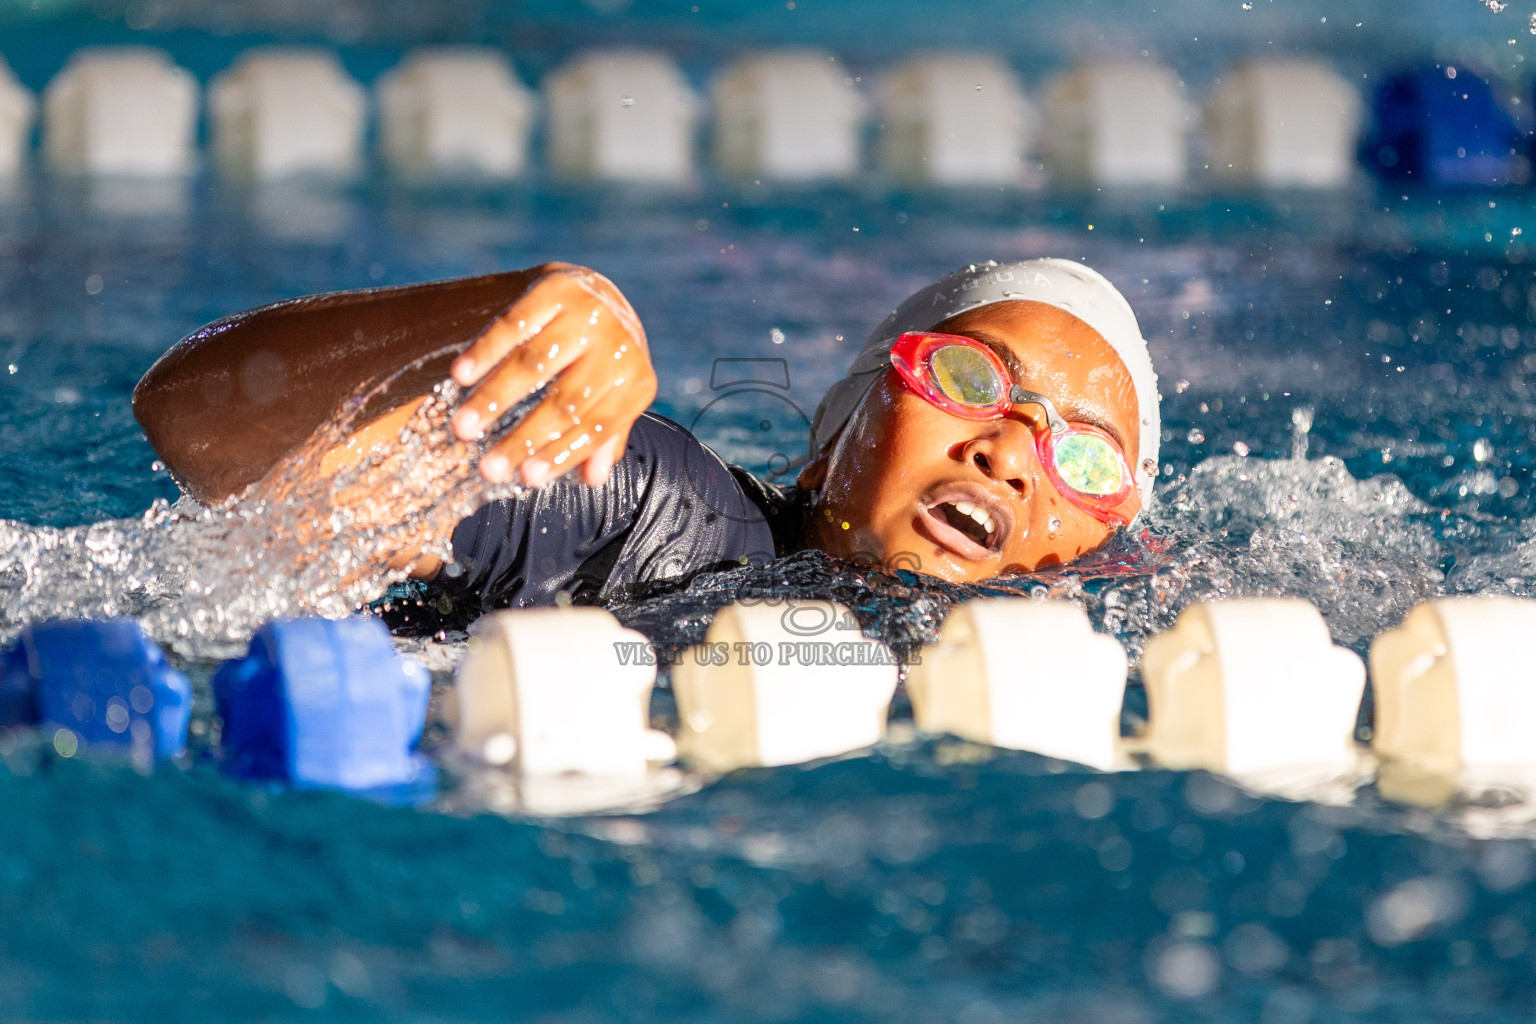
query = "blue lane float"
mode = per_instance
[
  {"x": 324, "y": 703},
  {"x": 102, "y": 684},
  {"x": 1440, "y": 125}
]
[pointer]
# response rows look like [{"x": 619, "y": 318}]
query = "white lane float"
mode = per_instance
[
  {"x": 551, "y": 691},
  {"x": 17, "y": 108},
  {"x": 123, "y": 110},
  {"x": 621, "y": 114},
  {"x": 280, "y": 112},
  {"x": 1028, "y": 675},
  {"x": 1283, "y": 124},
  {"x": 781, "y": 683},
  {"x": 454, "y": 112},
  {"x": 1455, "y": 687},
  {"x": 1252, "y": 686},
  {"x": 1120, "y": 124},
  {"x": 954, "y": 119},
  {"x": 787, "y": 115}
]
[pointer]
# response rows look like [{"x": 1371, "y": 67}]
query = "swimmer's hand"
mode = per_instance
[{"x": 574, "y": 331}]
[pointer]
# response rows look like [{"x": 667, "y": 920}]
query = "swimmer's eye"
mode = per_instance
[
  {"x": 1089, "y": 464},
  {"x": 964, "y": 375}
]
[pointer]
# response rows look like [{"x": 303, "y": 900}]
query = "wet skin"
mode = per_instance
[{"x": 899, "y": 458}]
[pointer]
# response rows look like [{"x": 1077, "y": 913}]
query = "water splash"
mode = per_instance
[
  {"x": 1364, "y": 551},
  {"x": 1301, "y": 431},
  {"x": 300, "y": 541}
]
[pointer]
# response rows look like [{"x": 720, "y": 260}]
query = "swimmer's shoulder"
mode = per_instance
[
  {"x": 669, "y": 458},
  {"x": 687, "y": 465}
]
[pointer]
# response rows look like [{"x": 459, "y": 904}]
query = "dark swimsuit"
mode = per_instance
[{"x": 671, "y": 509}]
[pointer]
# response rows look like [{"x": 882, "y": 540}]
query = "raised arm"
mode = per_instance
[{"x": 228, "y": 402}]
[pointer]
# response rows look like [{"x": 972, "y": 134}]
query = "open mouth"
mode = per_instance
[
  {"x": 969, "y": 528},
  {"x": 970, "y": 519}
]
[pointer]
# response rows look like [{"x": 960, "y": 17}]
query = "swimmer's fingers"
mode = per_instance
[
  {"x": 525, "y": 369},
  {"x": 570, "y": 427},
  {"x": 595, "y": 471},
  {"x": 562, "y": 409},
  {"x": 568, "y": 310},
  {"x": 584, "y": 449},
  {"x": 592, "y": 339},
  {"x": 544, "y": 300},
  {"x": 619, "y": 381}
]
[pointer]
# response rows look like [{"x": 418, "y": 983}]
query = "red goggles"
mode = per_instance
[{"x": 966, "y": 379}]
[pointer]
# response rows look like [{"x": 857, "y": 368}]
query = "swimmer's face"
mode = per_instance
[{"x": 887, "y": 479}]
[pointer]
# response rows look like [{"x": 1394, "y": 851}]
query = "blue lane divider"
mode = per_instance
[
  {"x": 1440, "y": 125},
  {"x": 101, "y": 680},
  {"x": 325, "y": 703}
]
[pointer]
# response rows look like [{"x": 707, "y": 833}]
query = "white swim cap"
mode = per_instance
[{"x": 1069, "y": 286}]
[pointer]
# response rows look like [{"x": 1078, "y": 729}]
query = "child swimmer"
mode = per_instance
[{"x": 1001, "y": 420}]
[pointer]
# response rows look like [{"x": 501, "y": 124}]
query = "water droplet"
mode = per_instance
[
  {"x": 1195, "y": 435},
  {"x": 65, "y": 743},
  {"x": 1301, "y": 427},
  {"x": 1240, "y": 449},
  {"x": 626, "y": 101},
  {"x": 1482, "y": 449}
]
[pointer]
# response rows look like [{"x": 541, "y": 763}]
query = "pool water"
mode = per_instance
[{"x": 1346, "y": 419}]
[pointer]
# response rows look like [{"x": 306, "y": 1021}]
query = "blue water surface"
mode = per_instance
[{"x": 930, "y": 880}]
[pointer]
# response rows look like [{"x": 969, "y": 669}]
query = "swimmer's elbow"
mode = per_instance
[{"x": 182, "y": 449}]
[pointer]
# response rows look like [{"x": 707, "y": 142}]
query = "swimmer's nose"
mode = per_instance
[{"x": 1005, "y": 452}]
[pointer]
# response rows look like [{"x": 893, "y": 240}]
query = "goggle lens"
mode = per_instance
[
  {"x": 964, "y": 375},
  {"x": 1089, "y": 464}
]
